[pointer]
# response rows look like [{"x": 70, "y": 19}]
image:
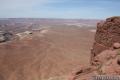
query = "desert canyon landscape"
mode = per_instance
[
  {"x": 44, "y": 48},
  {"x": 59, "y": 40},
  {"x": 59, "y": 49}
]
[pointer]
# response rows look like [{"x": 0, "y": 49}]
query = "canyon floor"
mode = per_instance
[{"x": 49, "y": 53}]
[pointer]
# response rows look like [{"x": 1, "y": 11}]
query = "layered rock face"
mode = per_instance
[
  {"x": 108, "y": 32},
  {"x": 105, "y": 55}
]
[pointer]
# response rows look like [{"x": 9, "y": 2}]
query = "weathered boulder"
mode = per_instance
[
  {"x": 104, "y": 56},
  {"x": 116, "y": 45}
]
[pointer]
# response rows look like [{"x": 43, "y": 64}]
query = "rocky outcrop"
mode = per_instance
[
  {"x": 5, "y": 36},
  {"x": 105, "y": 63},
  {"x": 108, "y": 62},
  {"x": 105, "y": 55},
  {"x": 108, "y": 32},
  {"x": 24, "y": 34}
]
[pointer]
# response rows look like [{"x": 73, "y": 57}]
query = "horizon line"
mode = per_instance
[{"x": 53, "y": 18}]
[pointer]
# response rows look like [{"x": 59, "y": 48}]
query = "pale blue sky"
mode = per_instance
[{"x": 88, "y": 9}]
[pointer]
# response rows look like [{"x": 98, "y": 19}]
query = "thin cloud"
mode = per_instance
[
  {"x": 59, "y": 8},
  {"x": 20, "y": 4}
]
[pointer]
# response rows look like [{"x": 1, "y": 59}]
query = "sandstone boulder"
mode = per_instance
[{"x": 116, "y": 45}]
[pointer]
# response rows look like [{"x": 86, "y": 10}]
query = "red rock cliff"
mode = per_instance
[{"x": 108, "y": 32}]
